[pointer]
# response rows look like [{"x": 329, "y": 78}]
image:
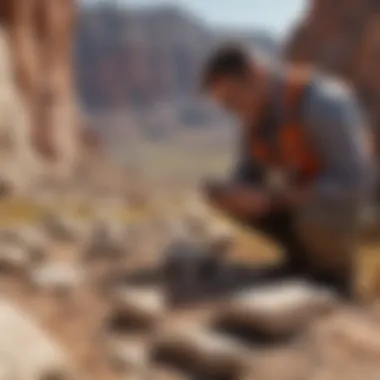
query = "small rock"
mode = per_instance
[
  {"x": 138, "y": 306},
  {"x": 58, "y": 278},
  {"x": 64, "y": 228},
  {"x": 107, "y": 239},
  {"x": 13, "y": 258},
  {"x": 29, "y": 351},
  {"x": 276, "y": 310},
  {"x": 201, "y": 353},
  {"x": 128, "y": 354},
  {"x": 35, "y": 242}
]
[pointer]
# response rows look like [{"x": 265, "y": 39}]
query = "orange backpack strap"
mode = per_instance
[{"x": 296, "y": 151}]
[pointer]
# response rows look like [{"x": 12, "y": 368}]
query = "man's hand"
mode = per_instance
[{"x": 237, "y": 200}]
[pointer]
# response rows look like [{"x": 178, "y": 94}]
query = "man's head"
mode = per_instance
[{"x": 230, "y": 77}]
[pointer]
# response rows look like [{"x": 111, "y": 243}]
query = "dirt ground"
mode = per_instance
[{"x": 79, "y": 322}]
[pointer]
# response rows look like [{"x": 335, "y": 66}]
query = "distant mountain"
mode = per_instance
[{"x": 141, "y": 56}]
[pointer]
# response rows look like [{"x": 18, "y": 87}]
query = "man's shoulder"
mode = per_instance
[
  {"x": 329, "y": 97},
  {"x": 332, "y": 88}
]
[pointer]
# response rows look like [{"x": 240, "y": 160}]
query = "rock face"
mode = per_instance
[
  {"x": 343, "y": 38},
  {"x": 41, "y": 34}
]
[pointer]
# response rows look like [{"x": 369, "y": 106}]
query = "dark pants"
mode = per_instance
[
  {"x": 319, "y": 241},
  {"x": 300, "y": 259},
  {"x": 279, "y": 228}
]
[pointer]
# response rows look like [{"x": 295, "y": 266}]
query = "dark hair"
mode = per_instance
[{"x": 227, "y": 60}]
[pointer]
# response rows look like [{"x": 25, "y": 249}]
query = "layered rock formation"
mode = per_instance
[
  {"x": 343, "y": 37},
  {"x": 40, "y": 34}
]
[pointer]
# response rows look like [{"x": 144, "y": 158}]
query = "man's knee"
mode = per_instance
[{"x": 330, "y": 242}]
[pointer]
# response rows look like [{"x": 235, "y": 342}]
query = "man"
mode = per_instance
[{"x": 305, "y": 171}]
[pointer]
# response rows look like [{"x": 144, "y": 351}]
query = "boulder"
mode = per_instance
[
  {"x": 188, "y": 262},
  {"x": 137, "y": 307},
  {"x": 275, "y": 311},
  {"x": 27, "y": 350}
]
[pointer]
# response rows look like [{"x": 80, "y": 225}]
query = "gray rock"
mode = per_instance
[
  {"x": 202, "y": 352},
  {"x": 187, "y": 263},
  {"x": 276, "y": 310},
  {"x": 27, "y": 351}
]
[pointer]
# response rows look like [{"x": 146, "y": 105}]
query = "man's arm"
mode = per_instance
[
  {"x": 243, "y": 194},
  {"x": 248, "y": 171}
]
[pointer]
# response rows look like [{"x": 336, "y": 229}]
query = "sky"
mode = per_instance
[{"x": 276, "y": 16}]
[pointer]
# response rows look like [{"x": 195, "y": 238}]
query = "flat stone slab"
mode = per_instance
[
  {"x": 26, "y": 350},
  {"x": 277, "y": 310},
  {"x": 128, "y": 354},
  {"x": 138, "y": 305},
  {"x": 201, "y": 352}
]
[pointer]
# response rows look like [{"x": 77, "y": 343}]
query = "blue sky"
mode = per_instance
[{"x": 274, "y": 15}]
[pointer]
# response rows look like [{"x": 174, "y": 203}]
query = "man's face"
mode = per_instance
[{"x": 235, "y": 95}]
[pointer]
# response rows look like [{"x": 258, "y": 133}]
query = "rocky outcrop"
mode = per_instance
[
  {"x": 41, "y": 34},
  {"x": 343, "y": 38},
  {"x": 19, "y": 163}
]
